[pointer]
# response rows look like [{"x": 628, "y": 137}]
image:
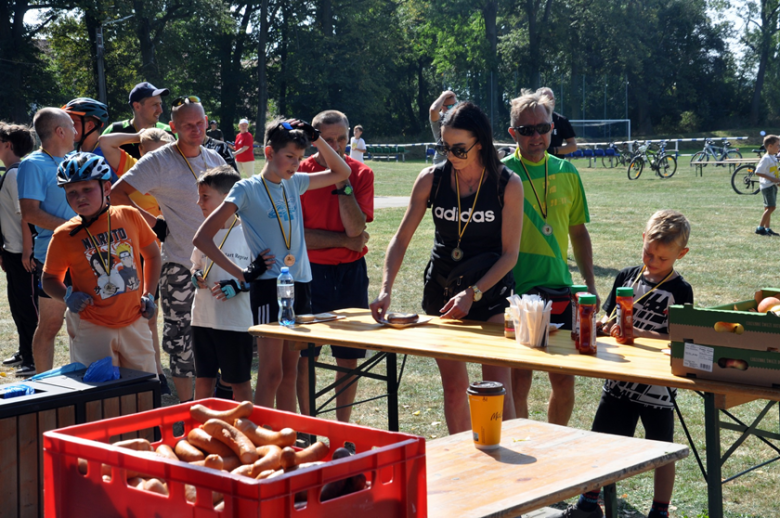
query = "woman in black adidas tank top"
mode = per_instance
[{"x": 477, "y": 209}]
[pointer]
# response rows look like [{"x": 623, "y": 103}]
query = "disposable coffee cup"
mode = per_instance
[{"x": 486, "y": 402}]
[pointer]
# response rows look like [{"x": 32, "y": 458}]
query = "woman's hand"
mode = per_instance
[
  {"x": 458, "y": 306},
  {"x": 380, "y": 306}
]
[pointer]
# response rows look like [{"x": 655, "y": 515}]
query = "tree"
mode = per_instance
[
  {"x": 26, "y": 82},
  {"x": 762, "y": 17}
]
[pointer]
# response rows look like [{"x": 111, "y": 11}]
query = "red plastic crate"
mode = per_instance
[{"x": 393, "y": 462}]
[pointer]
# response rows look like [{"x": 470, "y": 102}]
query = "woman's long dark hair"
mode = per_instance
[{"x": 467, "y": 116}]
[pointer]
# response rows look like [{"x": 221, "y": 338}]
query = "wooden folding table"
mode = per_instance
[{"x": 478, "y": 342}]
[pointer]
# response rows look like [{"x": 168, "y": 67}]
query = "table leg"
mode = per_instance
[
  {"x": 712, "y": 438},
  {"x": 312, "y": 382},
  {"x": 610, "y": 501},
  {"x": 392, "y": 391}
]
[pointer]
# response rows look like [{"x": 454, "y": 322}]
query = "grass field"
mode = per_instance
[{"x": 727, "y": 262}]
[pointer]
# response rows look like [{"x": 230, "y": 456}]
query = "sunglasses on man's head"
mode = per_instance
[
  {"x": 528, "y": 131},
  {"x": 457, "y": 151},
  {"x": 194, "y": 99}
]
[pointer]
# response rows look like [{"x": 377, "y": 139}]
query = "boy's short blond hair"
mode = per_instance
[
  {"x": 771, "y": 139},
  {"x": 667, "y": 227},
  {"x": 155, "y": 135}
]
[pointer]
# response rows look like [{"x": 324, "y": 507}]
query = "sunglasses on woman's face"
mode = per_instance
[
  {"x": 457, "y": 151},
  {"x": 528, "y": 131},
  {"x": 185, "y": 100}
]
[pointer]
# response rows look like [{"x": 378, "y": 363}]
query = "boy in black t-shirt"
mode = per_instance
[{"x": 656, "y": 287}]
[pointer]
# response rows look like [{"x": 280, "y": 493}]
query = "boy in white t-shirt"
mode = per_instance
[
  {"x": 221, "y": 315},
  {"x": 357, "y": 145},
  {"x": 767, "y": 172}
]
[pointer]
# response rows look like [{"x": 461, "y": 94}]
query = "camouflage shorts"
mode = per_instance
[{"x": 176, "y": 294}]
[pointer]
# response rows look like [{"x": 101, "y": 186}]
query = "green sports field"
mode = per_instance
[{"x": 727, "y": 262}]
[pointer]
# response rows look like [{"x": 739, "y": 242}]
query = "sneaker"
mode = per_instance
[
  {"x": 761, "y": 231},
  {"x": 165, "y": 390},
  {"x": 25, "y": 371},
  {"x": 575, "y": 512},
  {"x": 770, "y": 232},
  {"x": 13, "y": 361}
]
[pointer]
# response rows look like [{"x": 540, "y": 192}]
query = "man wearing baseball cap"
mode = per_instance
[{"x": 146, "y": 102}]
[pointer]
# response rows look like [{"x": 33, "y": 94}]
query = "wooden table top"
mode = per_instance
[
  {"x": 537, "y": 464},
  {"x": 480, "y": 342}
]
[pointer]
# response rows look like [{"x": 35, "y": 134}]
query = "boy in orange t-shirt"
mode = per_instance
[{"x": 101, "y": 249}]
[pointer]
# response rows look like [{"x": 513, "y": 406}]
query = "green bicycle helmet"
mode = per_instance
[{"x": 82, "y": 167}]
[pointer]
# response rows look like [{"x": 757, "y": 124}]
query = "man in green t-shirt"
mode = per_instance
[
  {"x": 555, "y": 211},
  {"x": 146, "y": 101}
]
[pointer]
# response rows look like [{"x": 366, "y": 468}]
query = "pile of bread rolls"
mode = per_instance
[{"x": 229, "y": 441}]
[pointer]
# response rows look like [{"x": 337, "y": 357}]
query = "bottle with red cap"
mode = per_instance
[
  {"x": 624, "y": 310},
  {"x": 586, "y": 342}
]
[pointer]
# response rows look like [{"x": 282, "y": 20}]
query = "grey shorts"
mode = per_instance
[
  {"x": 176, "y": 294},
  {"x": 770, "y": 196}
]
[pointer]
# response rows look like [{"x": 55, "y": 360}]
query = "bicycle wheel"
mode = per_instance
[
  {"x": 667, "y": 166},
  {"x": 733, "y": 153},
  {"x": 745, "y": 181},
  {"x": 608, "y": 161},
  {"x": 635, "y": 168},
  {"x": 701, "y": 156}
]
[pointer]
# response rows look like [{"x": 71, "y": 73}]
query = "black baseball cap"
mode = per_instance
[
  {"x": 143, "y": 90},
  {"x": 212, "y": 121}
]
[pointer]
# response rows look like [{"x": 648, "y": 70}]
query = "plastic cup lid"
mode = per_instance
[
  {"x": 625, "y": 292},
  {"x": 587, "y": 298},
  {"x": 487, "y": 388}
]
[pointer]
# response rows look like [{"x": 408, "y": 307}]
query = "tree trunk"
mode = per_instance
[
  {"x": 489, "y": 13},
  {"x": 768, "y": 29},
  {"x": 283, "y": 57},
  {"x": 13, "y": 102},
  {"x": 143, "y": 29},
  {"x": 326, "y": 17},
  {"x": 262, "y": 63},
  {"x": 422, "y": 90}
]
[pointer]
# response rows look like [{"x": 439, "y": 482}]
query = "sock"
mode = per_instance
[
  {"x": 659, "y": 510},
  {"x": 589, "y": 501}
]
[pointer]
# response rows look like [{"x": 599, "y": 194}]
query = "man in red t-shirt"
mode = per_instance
[
  {"x": 244, "y": 150},
  {"x": 335, "y": 225}
]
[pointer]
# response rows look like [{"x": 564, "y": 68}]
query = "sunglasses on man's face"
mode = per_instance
[
  {"x": 194, "y": 99},
  {"x": 528, "y": 131},
  {"x": 457, "y": 151}
]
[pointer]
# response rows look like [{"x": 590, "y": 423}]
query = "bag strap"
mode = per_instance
[{"x": 438, "y": 172}]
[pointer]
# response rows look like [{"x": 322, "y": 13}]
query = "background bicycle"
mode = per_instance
[
  {"x": 744, "y": 179},
  {"x": 715, "y": 153},
  {"x": 664, "y": 165}
]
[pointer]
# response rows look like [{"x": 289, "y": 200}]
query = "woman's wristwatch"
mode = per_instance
[{"x": 477, "y": 293}]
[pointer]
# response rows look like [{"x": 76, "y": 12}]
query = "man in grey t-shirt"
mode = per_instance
[
  {"x": 444, "y": 103},
  {"x": 170, "y": 175}
]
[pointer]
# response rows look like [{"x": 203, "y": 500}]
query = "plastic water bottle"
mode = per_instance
[{"x": 285, "y": 294}]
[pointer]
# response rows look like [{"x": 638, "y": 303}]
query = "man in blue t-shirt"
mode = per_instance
[{"x": 43, "y": 204}]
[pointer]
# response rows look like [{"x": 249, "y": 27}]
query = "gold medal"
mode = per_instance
[
  {"x": 457, "y": 253},
  {"x": 110, "y": 289},
  {"x": 289, "y": 259},
  {"x": 547, "y": 230}
]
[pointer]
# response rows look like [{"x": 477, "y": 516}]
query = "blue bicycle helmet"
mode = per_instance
[
  {"x": 85, "y": 107},
  {"x": 82, "y": 167}
]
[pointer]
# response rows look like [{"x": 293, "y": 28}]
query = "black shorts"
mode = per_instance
[
  {"x": 619, "y": 416},
  {"x": 39, "y": 285},
  {"x": 561, "y": 307},
  {"x": 228, "y": 351},
  {"x": 434, "y": 300},
  {"x": 265, "y": 306},
  {"x": 339, "y": 286}
]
